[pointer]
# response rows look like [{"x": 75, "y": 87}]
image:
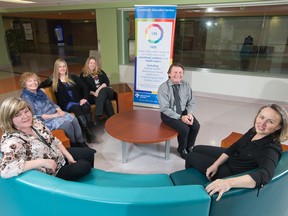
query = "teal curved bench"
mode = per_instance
[
  {"x": 272, "y": 198},
  {"x": 100, "y": 193},
  {"x": 119, "y": 194}
]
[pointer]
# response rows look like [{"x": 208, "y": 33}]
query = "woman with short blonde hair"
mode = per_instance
[
  {"x": 9, "y": 110},
  {"x": 48, "y": 112},
  {"x": 27, "y": 144},
  {"x": 27, "y": 75}
]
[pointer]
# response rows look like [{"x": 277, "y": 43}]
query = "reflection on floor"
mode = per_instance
[{"x": 218, "y": 118}]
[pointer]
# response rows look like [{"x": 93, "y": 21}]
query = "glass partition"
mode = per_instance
[{"x": 252, "y": 39}]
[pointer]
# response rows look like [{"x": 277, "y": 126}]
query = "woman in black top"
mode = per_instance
[
  {"x": 98, "y": 84},
  {"x": 257, "y": 153},
  {"x": 71, "y": 95}
]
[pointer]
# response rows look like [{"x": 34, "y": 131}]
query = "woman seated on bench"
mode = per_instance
[
  {"x": 98, "y": 85},
  {"x": 48, "y": 112},
  {"x": 258, "y": 149},
  {"x": 71, "y": 95},
  {"x": 27, "y": 144}
]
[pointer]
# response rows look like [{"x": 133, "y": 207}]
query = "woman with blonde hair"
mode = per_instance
[
  {"x": 28, "y": 144},
  {"x": 98, "y": 83},
  {"x": 71, "y": 95},
  {"x": 48, "y": 112},
  {"x": 253, "y": 157}
]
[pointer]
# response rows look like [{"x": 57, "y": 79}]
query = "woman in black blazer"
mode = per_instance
[
  {"x": 71, "y": 95},
  {"x": 98, "y": 84}
]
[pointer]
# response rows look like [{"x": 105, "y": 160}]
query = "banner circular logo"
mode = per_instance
[{"x": 154, "y": 33}]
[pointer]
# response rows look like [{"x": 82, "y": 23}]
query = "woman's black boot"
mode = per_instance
[
  {"x": 90, "y": 137},
  {"x": 85, "y": 124},
  {"x": 89, "y": 133}
]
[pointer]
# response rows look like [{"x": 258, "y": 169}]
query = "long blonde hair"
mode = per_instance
[
  {"x": 55, "y": 75},
  {"x": 87, "y": 71}
]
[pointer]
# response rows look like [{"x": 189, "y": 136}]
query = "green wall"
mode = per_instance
[
  {"x": 107, "y": 36},
  {"x": 4, "y": 60}
]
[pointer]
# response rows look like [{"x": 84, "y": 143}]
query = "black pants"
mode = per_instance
[
  {"x": 80, "y": 110},
  {"x": 103, "y": 102},
  {"x": 203, "y": 157},
  {"x": 84, "y": 116},
  {"x": 84, "y": 158},
  {"x": 186, "y": 133}
]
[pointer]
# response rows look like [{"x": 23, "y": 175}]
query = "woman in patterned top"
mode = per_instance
[{"x": 27, "y": 144}]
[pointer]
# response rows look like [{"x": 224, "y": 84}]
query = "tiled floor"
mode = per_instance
[{"x": 218, "y": 118}]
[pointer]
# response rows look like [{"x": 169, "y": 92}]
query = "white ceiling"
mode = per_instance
[
  {"x": 6, "y": 4},
  {"x": 13, "y": 4}
]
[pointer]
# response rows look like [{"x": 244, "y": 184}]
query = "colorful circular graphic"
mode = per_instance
[{"x": 154, "y": 33}]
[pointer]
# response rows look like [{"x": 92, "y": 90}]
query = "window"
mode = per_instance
[{"x": 252, "y": 39}]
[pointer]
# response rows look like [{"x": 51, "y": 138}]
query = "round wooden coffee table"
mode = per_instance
[{"x": 140, "y": 127}]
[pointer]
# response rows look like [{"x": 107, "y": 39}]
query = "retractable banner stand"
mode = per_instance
[{"x": 154, "y": 30}]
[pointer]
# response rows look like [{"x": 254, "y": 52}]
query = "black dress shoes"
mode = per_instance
[
  {"x": 90, "y": 137},
  {"x": 183, "y": 154},
  {"x": 189, "y": 150},
  {"x": 96, "y": 120}
]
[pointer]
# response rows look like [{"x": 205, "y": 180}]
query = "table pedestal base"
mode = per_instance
[{"x": 124, "y": 151}]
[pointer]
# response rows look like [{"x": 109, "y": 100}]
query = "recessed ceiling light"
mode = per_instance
[
  {"x": 210, "y": 9},
  {"x": 18, "y": 1}
]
